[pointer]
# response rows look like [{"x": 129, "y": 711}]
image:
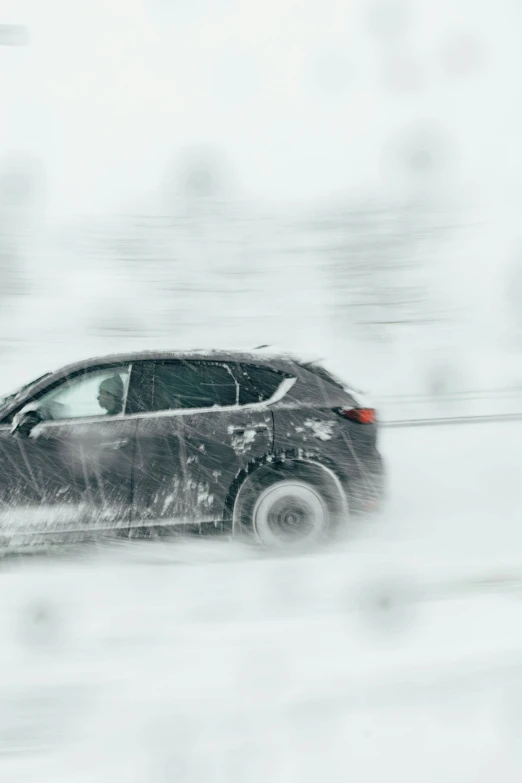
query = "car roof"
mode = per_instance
[{"x": 275, "y": 360}]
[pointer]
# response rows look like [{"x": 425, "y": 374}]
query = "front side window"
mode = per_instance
[
  {"x": 92, "y": 393},
  {"x": 193, "y": 385}
]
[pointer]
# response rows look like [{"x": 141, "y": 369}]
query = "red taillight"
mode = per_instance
[{"x": 360, "y": 415}]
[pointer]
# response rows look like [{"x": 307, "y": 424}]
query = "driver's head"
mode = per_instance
[{"x": 110, "y": 394}]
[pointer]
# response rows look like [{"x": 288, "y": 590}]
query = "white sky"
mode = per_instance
[{"x": 295, "y": 94}]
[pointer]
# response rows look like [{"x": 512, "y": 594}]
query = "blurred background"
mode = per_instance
[
  {"x": 340, "y": 178},
  {"x": 343, "y": 178}
]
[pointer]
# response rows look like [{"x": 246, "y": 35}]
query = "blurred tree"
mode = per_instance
[
  {"x": 231, "y": 266},
  {"x": 196, "y": 187},
  {"x": 376, "y": 260},
  {"x": 21, "y": 182},
  {"x": 514, "y": 297},
  {"x": 114, "y": 324},
  {"x": 12, "y": 277},
  {"x": 21, "y": 192},
  {"x": 421, "y": 159}
]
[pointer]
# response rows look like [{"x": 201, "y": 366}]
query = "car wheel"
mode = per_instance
[
  {"x": 297, "y": 505},
  {"x": 290, "y": 512}
]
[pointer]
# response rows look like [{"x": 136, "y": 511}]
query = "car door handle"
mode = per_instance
[
  {"x": 255, "y": 427},
  {"x": 114, "y": 445}
]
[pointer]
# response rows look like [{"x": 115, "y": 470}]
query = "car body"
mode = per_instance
[{"x": 212, "y": 439}]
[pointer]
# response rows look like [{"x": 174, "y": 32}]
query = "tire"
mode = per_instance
[{"x": 294, "y": 504}]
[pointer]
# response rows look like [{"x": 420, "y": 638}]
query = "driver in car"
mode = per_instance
[{"x": 110, "y": 395}]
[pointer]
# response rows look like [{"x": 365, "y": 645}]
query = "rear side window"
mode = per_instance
[
  {"x": 257, "y": 384},
  {"x": 192, "y": 385}
]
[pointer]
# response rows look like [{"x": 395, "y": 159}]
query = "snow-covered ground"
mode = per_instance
[{"x": 396, "y": 654}]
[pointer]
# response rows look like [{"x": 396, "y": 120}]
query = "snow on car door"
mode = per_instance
[
  {"x": 222, "y": 442},
  {"x": 194, "y": 441},
  {"x": 71, "y": 477}
]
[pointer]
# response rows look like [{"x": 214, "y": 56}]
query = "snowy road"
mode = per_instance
[{"x": 389, "y": 655}]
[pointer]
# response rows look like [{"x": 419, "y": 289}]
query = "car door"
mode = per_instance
[
  {"x": 70, "y": 478},
  {"x": 221, "y": 444},
  {"x": 206, "y": 424}
]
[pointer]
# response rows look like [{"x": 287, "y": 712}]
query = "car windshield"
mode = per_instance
[{"x": 4, "y": 401}]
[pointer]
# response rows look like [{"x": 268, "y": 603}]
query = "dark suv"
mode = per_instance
[{"x": 144, "y": 444}]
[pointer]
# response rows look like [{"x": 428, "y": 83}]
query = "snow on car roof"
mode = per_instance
[{"x": 215, "y": 354}]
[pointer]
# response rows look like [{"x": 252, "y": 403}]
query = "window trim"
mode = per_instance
[
  {"x": 284, "y": 387},
  {"x": 281, "y": 391}
]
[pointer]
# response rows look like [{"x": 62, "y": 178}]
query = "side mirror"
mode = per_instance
[{"x": 25, "y": 421}]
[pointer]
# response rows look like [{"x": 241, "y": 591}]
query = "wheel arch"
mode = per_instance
[{"x": 302, "y": 464}]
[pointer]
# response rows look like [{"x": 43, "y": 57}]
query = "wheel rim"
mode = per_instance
[{"x": 290, "y": 511}]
